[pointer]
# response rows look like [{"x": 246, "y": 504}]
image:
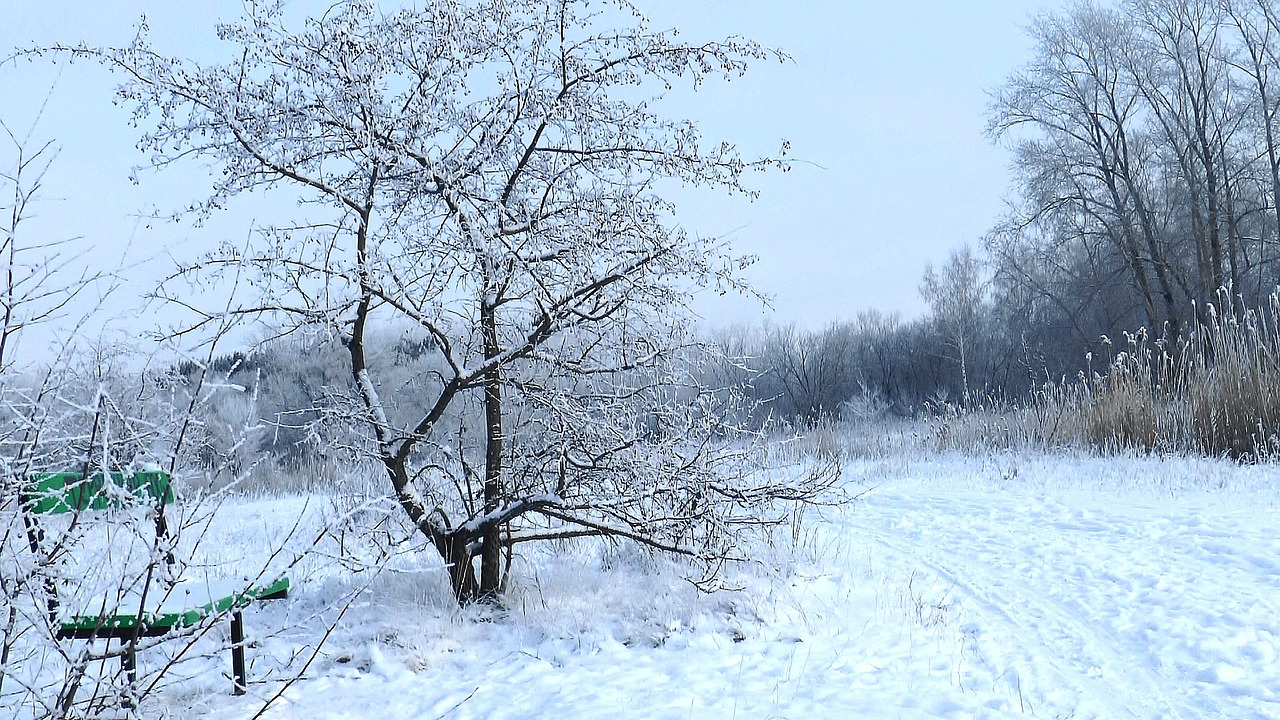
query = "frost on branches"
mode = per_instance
[{"x": 490, "y": 172}]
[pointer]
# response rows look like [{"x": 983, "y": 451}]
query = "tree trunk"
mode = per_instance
[
  {"x": 491, "y": 550},
  {"x": 462, "y": 574},
  {"x": 452, "y": 545}
]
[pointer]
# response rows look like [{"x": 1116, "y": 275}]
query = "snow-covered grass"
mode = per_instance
[{"x": 1005, "y": 585}]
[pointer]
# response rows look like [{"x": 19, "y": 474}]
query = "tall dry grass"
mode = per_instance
[
  {"x": 1231, "y": 383},
  {"x": 1215, "y": 392},
  {"x": 1126, "y": 407}
]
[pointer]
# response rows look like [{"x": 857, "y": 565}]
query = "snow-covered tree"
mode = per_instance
[{"x": 495, "y": 173}]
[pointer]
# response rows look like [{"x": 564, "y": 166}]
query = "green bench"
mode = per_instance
[{"x": 139, "y": 612}]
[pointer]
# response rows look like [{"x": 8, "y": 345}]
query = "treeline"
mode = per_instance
[
  {"x": 970, "y": 351},
  {"x": 1145, "y": 137}
]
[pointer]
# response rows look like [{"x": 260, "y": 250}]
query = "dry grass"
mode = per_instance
[
  {"x": 1232, "y": 384},
  {"x": 1123, "y": 409},
  {"x": 1216, "y": 393}
]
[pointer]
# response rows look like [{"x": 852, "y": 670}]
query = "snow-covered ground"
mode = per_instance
[{"x": 1009, "y": 586}]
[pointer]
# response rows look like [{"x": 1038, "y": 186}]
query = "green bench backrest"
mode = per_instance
[{"x": 69, "y": 491}]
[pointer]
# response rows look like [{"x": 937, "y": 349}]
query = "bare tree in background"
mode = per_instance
[
  {"x": 957, "y": 298},
  {"x": 1257, "y": 25},
  {"x": 491, "y": 172},
  {"x": 1144, "y": 133},
  {"x": 52, "y": 407},
  {"x": 811, "y": 374},
  {"x": 1086, "y": 164},
  {"x": 42, "y": 278}
]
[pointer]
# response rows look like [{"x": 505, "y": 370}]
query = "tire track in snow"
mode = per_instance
[
  {"x": 1047, "y": 659},
  {"x": 1094, "y": 613}
]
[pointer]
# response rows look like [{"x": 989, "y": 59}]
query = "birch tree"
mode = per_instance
[
  {"x": 956, "y": 296},
  {"x": 493, "y": 173}
]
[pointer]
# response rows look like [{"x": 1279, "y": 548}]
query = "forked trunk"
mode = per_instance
[
  {"x": 453, "y": 545},
  {"x": 462, "y": 574}
]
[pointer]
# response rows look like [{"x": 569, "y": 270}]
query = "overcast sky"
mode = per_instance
[{"x": 884, "y": 105}]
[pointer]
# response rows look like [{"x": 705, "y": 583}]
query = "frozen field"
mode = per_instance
[{"x": 1053, "y": 587}]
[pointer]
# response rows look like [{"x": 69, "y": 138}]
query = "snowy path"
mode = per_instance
[
  {"x": 1101, "y": 605},
  {"x": 955, "y": 589}
]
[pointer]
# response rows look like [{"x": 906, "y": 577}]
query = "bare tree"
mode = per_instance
[
  {"x": 957, "y": 296},
  {"x": 41, "y": 279},
  {"x": 51, "y": 413},
  {"x": 811, "y": 372},
  {"x": 492, "y": 173},
  {"x": 1086, "y": 164},
  {"x": 1257, "y": 26},
  {"x": 1180, "y": 67},
  {"x": 1146, "y": 159}
]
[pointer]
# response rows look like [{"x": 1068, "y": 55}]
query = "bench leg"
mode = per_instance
[
  {"x": 129, "y": 664},
  {"x": 240, "y": 684}
]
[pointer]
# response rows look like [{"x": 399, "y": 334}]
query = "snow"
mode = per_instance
[
  {"x": 1003, "y": 586},
  {"x": 185, "y": 595}
]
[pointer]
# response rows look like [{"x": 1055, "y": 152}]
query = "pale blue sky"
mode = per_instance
[{"x": 885, "y": 103}]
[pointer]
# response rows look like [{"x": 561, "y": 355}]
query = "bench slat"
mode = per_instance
[
  {"x": 164, "y": 617},
  {"x": 64, "y": 492}
]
